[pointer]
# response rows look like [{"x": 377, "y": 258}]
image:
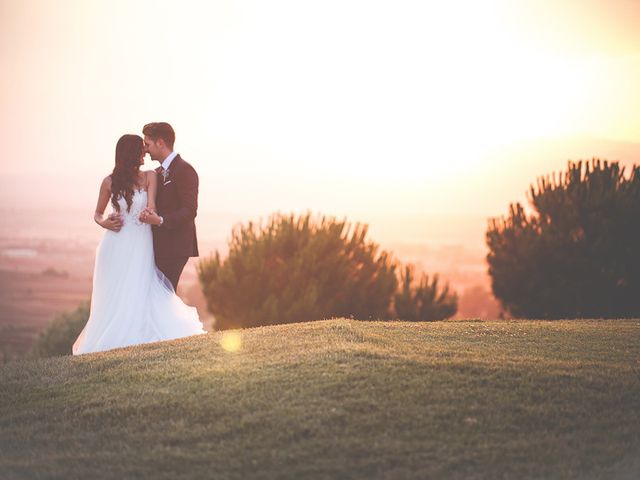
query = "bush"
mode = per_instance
[
  {"x": 58, "y": 337},
  {"x": 420, "y": 301},
  {"x": 298, "y": 269},
  {"x": 577, "y": 254}
]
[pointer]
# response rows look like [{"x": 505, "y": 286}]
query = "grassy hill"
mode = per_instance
[{"x": 336, "y": 399}]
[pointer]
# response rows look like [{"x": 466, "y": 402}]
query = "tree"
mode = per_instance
[
  {"x": 578, "y": 253},
  {"x": 298, "y": 269},
  {"x": 58, "y": 337},
  {"x": 419, "y": 301}
]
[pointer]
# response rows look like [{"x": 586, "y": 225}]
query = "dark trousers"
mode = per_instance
[{"x": 172, "y": 268}]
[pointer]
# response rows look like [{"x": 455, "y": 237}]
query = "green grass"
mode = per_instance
[{"x": 336, "y": 399}]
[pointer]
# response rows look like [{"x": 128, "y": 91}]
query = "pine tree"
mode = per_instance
[
  {"x": 420, "y": 301},
  {"x": 578, "y": 253},
  {"x": 298, "y": 269}
]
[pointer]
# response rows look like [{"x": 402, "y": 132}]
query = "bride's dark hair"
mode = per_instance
[{"x": 125, "y": 174}]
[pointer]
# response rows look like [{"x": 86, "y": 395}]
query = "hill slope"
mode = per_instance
[{"x": 336, "y": 399}]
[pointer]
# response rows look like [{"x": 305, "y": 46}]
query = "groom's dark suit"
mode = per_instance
[{"x": 177, "y": 203}]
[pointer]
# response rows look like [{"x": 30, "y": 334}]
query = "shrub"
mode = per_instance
[
  {"x": 58, "y": 337},
  {"x": 298, "y": 269},
  {"x": 421, "y": 300}
]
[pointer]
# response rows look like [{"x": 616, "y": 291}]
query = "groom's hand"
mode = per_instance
[
  {"x": 113, "y": 222},
  {"x": 150, "y": 217},
  {"x": 143, "y": 215}
]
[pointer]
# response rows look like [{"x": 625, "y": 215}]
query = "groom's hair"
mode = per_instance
[{"x": 161, "y": 130}]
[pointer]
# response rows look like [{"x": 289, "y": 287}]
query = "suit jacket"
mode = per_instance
[{"x": 177, "y": 204}]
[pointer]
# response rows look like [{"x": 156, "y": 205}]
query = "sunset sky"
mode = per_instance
[{"x": 345, "y": 107}]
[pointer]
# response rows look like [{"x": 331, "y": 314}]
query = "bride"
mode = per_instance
[{"x": 132, "y": 302}]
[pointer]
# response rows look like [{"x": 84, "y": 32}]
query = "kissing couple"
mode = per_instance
[{"x": 149, "y": 236}]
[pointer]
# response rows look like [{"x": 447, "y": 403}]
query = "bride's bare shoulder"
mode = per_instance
[{"x": 106, "y": 182}]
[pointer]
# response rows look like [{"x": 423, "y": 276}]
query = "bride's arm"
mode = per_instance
[
  {"x": 111, "y": 222},
  {"x": 152, "y": 188}
]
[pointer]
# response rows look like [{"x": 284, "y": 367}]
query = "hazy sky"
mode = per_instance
[{"x": 337, "y": 106}]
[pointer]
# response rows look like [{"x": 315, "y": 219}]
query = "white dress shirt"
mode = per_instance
[
  {"x": 167, "y": 161},
  {"x": 165, "y": 164}
]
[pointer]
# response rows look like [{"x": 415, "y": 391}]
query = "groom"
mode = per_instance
[{"x": 174, "y": 229}]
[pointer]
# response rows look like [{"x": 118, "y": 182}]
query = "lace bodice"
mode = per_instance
[{"x": 138, "y": 203}]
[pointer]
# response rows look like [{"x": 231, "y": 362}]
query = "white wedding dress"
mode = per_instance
[{"x": 132, "y": 301}]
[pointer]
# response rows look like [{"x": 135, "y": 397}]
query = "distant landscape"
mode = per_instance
[
  {"x": 47, "y": 257},
  {"x": 61, "y": 240}
]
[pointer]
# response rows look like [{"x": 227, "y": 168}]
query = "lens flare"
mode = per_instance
[{"x": 231, "y": 341}]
